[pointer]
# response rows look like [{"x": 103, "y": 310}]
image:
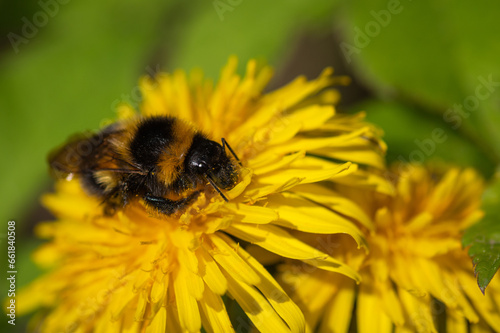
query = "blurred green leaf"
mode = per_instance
[
  {"x": 442, "y": 55},
  {"x": 413, "y": 136},
  {"x": 248, "y": 29},
  {"x": 484, "y": 238},
  {"x": 67, "y": 78}
]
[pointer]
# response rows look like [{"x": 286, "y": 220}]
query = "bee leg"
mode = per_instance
[
  {"x": 109, "y": 210},
  {"x": 167, "y": 206}
]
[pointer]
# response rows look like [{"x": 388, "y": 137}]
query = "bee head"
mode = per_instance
[{"x": 207, "y": 159}]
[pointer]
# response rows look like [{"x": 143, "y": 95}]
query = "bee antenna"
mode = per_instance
[
  {"x": 210, "y": 180},
  {"x": 225, "y": 144}
]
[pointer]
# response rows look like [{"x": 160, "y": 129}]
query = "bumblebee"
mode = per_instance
[{"x": 161, "y": 160}]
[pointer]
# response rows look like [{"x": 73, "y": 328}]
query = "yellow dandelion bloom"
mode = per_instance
[
  {"x": 137, "y": 272},
  {"x": 416, "y": 277}
]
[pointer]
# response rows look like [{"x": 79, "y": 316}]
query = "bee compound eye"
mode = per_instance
[{"x": 199, "y": 166}]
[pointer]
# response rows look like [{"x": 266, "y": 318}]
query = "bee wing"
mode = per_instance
[
  {"x": 89, "y": 153},
  {"x": 73, "y": 156}
]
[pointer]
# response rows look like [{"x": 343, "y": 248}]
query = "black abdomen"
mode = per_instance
[{"x": 151, "y": 139}]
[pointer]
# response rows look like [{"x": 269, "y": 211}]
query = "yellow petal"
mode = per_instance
[
  {"x": 129, "y": 325},
  {"x": 190, "y": 265},
  {"x": 173, "y": 324},
  {"x": 40, "y": 293},
  {"x": 419, "y": 221},
  {"x": 251, "y": 213},
  {"x": 365, "y": 156},
  {"x": 255, "y": 306},
  {"x": 455, "y": 323},
  {"x": 281, "y": 132},
  {"x": 47, "y": 255},
  {"x": 367, "y": 180},
  {"x": 431, "y": 277},
  {"x": 483, "y": 304},
  {"x": 309, "y": 173},
  {"x": 210, "y": 272},
  {"x": 141, "y": 277},
  {"x": 71, "y": 205},
  {"x": 301, "y": 214},
  {"x": 215, "y": 313},
  {"x": 276, "y": 296},
  {"x": 188, "y": 259},
  {"x": 229, "y": 259},
  {"x": 322, "y": 195},
  {"x": 246, "y": 178},
  {"x": 330, "y": 264},
  {"x": 370, "y": 316},
  {"x": 297, "y": 90},
  {"x": 189, "y": 314},
  {"x": 159, "y": 322},
  {"x": 400, "y": 272},
  {"x": 303, "y": 282},
  {"x": 277, "y": 240},
  {"x": 454, "y": 294},
  {"x": 281, "y": 99},
  {"x": 311, "y": 117},
  {"x": 419, "y": 311},
  {"x": 389, "y": 301},
  {"x": 344, "y": 122},
  {"x": 158, "y": 290},
  {"x": 183, "y": 98},
  {"x": 105, "y": 324},
  {"x": 309, "y": 144},
  {"x": 337, "y": 317},
  {"x": 480, "y": 327},
  {"x": 196, "y": 285},
  {"x": 433, "y": 246},
  {"x": 119, "y": 302},
  {"x": 277, "y": 162},
  {"x": 153, "y": 103},
  {"x": 257, "y": 190}
]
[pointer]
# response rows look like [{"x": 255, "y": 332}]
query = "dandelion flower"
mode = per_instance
[
  {"x": 134, "y": 272},
  {"x": 416, "y": 277}
]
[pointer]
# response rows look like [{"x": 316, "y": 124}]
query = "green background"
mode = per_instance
[{"x": 65, "y": 66}]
